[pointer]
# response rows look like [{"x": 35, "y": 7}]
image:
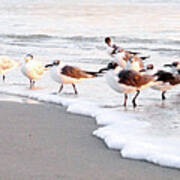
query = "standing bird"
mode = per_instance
[
  {"x": 32, "y": 69},
  {"x": 113, "y": 49},
  {"x": 167, "y": 80},
  {"x": 123, "y": 57},
  {"x": 149, "y": 69},
  {"x": 128, "y": 81},
  {"x": 7, "y": 65},
  {"x": 134, "y": 63},
  {"x": 175, "y": 67},
  {"x": 131, "y": 63},
  {"x": 65, "y": 74}
]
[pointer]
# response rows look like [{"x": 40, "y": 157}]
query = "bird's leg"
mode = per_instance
[
  {"x": 75, "y": 90},
  {"x": 4, "y": 78},
  {"x": 32, "y": 82},
  {"x": 134, "y": 99},
  {"x": 163, "y": 95},
  {"x": 125, "y": 99},
  {"x": 61, "y": 88}
]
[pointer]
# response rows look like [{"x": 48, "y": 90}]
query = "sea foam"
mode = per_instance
[{"x": 123, "y": 130}]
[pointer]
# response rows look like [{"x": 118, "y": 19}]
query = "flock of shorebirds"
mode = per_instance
[{"x": 126, "y": 73}]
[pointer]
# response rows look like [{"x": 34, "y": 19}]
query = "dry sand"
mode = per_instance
[{"x": 44, "y": 142}]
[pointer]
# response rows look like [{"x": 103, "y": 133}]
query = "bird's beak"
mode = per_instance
[
  {"x": 27, "y": 60},
  {"x": 102, "y": 70},
  {"x": 48, "y": 65},
  {"x": 167, "y": 65}
]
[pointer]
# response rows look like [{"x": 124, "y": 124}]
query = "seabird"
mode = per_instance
[
  {"x": 167, "y": 80},
  {"x": 175, "y": 67},
  {"x": 7, "y": 65},
  {"x": 32, "y": 69},
  {"x": 131, "y": 63},
  {"x": 65, "y": 74},
  {"x": 128, "y": 81},
  {"x": 123, "y": 58},
  {"x": 113, "y": 49},
  {"x": 149, "y": 69}
]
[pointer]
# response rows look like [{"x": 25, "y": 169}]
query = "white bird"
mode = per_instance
[
  {"x": 149, "y": 69},
  {"x": 128, "y": 81},
  {"x": 7, "y": 65},
  {"x": 113, "y": 49},
  {"x": 32, "y": 69},
  {"x": 125, "y": 59},
  {"x": 134, "y": 63},
  {"x": 175, "y": 67},
  {"x": 65, "y": 74}
]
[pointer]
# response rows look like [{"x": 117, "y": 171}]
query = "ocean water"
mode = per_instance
[{"x": 74, "y": 32}]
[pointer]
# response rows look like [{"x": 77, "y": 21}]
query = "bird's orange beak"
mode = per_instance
[{"x": 27, "y": 60}]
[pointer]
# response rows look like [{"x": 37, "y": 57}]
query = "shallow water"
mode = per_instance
[{"x": 74, "y": 32}]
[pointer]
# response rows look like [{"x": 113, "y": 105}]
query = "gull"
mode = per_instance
[
  {"x": 123, "y": 57},
  {"x": 131, "y": 63},
  {"x": 114, "y": 49},
  {"x": 175, "y": 67},
  {"x": 65, "y": 74},
  {"x": 167, "y": 80},
  {"x": 127, "y": 81}
]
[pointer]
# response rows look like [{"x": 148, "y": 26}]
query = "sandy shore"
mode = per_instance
[{"x": 42, "y": 141}]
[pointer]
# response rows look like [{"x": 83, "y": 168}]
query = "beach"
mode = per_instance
[
  {"x": 41, "y": 137},
  {"x": 43, "y": 141}
]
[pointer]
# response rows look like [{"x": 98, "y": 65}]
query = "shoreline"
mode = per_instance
[{"x": 55, "y": 144}]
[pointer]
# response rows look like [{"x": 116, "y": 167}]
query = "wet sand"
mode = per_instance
[{"x": 44, "y": 142}]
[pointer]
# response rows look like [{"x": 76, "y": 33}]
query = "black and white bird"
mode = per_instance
[
  {"x": 167, "y": 79},
  {"x": 65, "y": 74},
  {"x": 175, "y": 67},
  {"x": 127, "y": 81}
]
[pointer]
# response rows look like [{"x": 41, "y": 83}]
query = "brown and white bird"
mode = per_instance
[
  {"x": 65, "y": 74},
  {"x": 125, "y": 59},
  {"x": 127, "y": 81}
]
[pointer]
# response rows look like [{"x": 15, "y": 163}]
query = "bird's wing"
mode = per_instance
[
  {"x": 74, "y": 72},
  {"x": 133, "y": 78},
  {"x": 39, "y": 69}
]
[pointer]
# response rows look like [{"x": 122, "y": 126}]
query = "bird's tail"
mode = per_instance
[
  {"x": 94, "y": 74},
  {"x": 145, "y": 57},
  {"x": 133, "y": 53},
  {"x": 47, "y": 67}
]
